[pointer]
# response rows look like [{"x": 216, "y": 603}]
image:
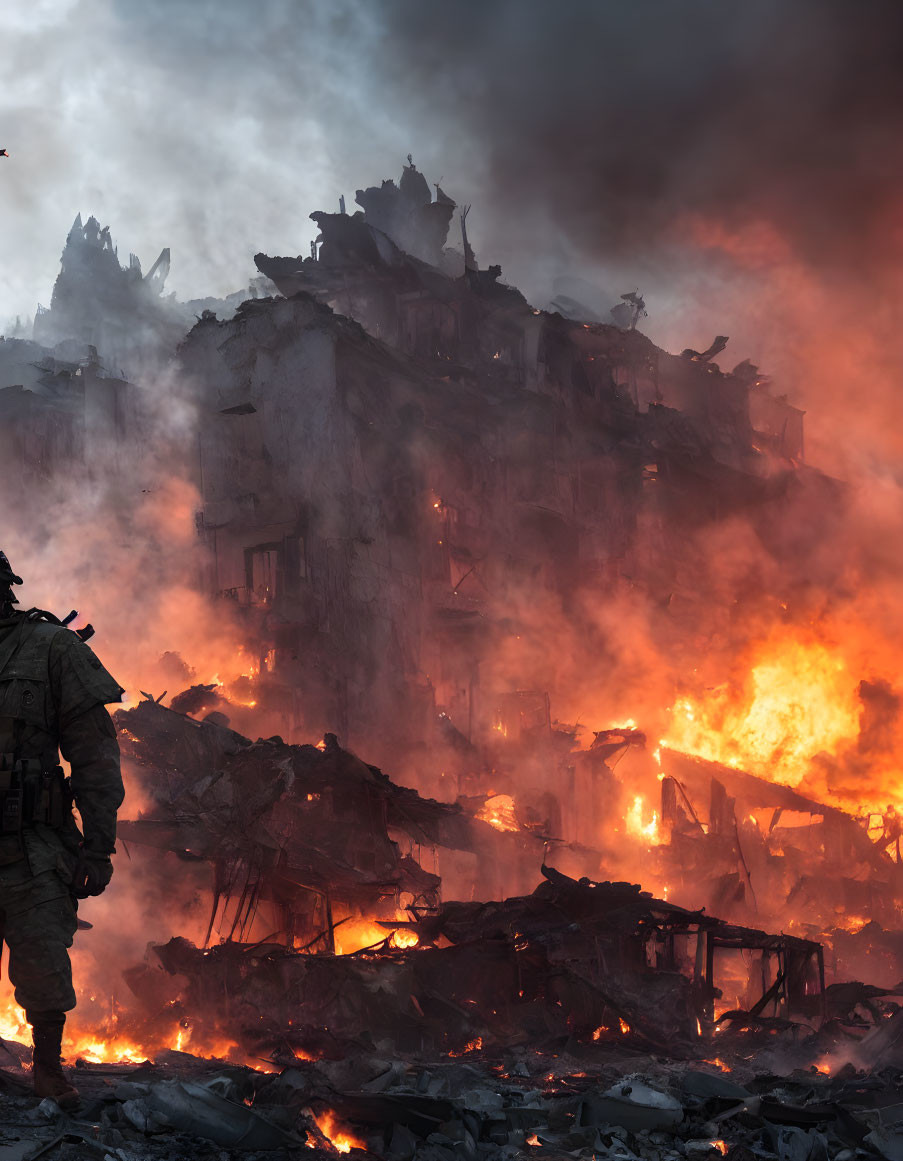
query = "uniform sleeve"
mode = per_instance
[
  {"x": 78, "y": 679},
  {"x": 90, "y": 746},
  {"x": 81, "y": 690}
]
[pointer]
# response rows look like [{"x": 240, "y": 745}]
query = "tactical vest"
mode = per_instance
[{"x": 33, "y": 787}]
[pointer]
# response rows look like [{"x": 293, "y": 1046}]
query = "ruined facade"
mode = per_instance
[
  {"x": 400, "y": 449},
  {"x": 60, "y": 417},
  {"x": 397, "y": 456}
]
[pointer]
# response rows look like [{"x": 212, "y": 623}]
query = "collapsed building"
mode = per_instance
[
  {"x": 401, "y": 451},
  {"x": 571, "y": 962},
  {"x": 315, "y": 834},
  {"x": 302, "y": 840}
]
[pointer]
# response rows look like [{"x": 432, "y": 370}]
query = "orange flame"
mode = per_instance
[
  {"x": 340, "y": 1136},
  {"x": 636, "y": 825},
  {"x": 499, "y": 812},
  {"x": 799, "y": 699}
]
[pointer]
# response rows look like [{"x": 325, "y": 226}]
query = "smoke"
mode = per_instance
[
  {"x": 117, "y": 542},
  {"x": 738, "y": 161}
]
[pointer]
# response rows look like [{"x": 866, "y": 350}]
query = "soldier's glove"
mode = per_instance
[{"x": 93, "y": 873}]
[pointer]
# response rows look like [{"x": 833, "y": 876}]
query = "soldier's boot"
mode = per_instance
[{"x": 47, "y": 1070}]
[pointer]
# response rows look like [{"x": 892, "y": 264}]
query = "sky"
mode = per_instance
[{"x": 730, "y": 160}]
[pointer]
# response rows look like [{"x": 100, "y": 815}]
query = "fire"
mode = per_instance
[
  {"x": 102, "y": 1052},
  {"x": 798, "y": 700},
  {"x": 533, "y": 1140},
  {"x": 499, "y": 812},
  {"x": 721, "y": 1146},
  {"x": 470, "y": 1046},
  {"x": 13, "y": 1026},
  {"x": 636, "y": 826},
  {"x": 111, "y": 1043},
  {"x": 600, "y": 1032},
  {"x": 111, "y": 1046},
  {"x": 353, "y": 935},
  {"x": 625, "y": 1027},
  {"x": 340, "y": 1136},
  {"x": 852, "y": 923}
]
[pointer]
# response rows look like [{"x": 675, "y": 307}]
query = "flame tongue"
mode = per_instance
[
  {"x": 799, "y": 699},
  {"x": 340, "y": 1136},
  {"x": 499, "y": 811}
]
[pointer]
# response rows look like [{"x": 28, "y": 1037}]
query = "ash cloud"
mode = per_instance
[
  {"x": 599, "y": 125},
  {"x": 737, "y": 162}
]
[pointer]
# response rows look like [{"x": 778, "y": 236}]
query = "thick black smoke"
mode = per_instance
[
  {"x": 619, "y": 118},
  {"x": 614, "y": 119},
  {"x": 589, "y": 136}
]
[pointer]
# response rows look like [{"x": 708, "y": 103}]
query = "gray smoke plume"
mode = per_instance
[{"x": 591, "y": 137}]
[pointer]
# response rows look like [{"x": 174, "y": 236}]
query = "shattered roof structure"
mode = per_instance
[
  {"x": 574, "y": 959},
  {"x": 306, "y": 828}
]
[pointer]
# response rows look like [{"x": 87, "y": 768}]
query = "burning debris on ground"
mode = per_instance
[{"x": 594, "y": 1100}]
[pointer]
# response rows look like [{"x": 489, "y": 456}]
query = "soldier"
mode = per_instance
[{"x": 53, "y": 694}]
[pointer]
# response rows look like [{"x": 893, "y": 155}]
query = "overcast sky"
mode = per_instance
[{"x": 713, "y": 153}]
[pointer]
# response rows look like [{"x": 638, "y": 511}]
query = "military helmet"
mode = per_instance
[{"x": 7, "y": 576}]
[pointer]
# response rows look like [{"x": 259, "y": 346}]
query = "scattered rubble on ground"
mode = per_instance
[{"x": 585, "y": 1101}]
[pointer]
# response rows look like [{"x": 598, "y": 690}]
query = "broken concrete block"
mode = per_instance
[
  {"x": 195, "y": 1109},
  {"x": 633, "y": 1105},
  {"x": 402, "y": 1144}
]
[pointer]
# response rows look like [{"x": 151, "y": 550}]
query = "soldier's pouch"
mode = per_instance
[{"x": 23, "y": 691}]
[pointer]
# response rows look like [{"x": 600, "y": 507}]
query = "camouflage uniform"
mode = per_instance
[{"x": 53, "y": 693}]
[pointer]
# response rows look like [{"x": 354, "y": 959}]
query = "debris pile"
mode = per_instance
[
  {"x": 585, "y": 1102},
  {"x": 312, "y": 830}
]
